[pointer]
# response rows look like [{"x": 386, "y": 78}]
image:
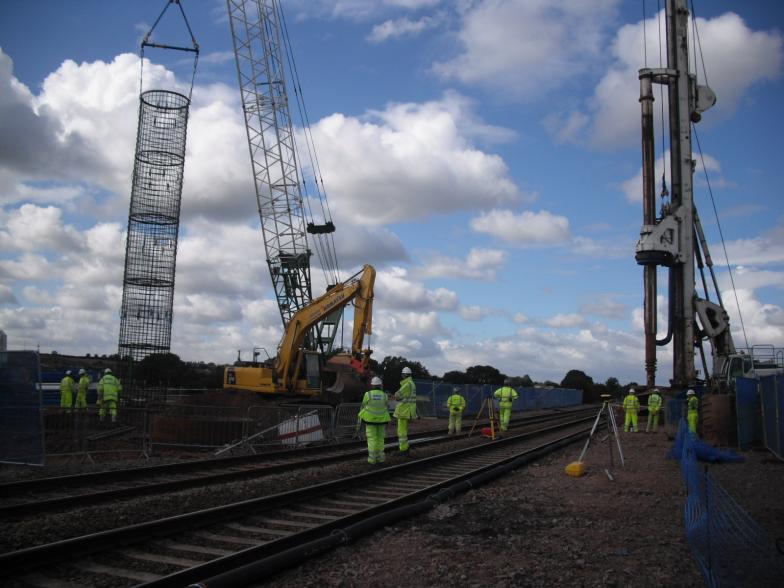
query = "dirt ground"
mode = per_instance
[{"x": 540, "y": 527}]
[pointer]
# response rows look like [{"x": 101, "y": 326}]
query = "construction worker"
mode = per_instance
[
  {"x": 67, "y": 386},
  {"x": 456, "y": 404},
  {"x": 375, "y": 414},
  {"x": 405, "y": 410},
  {"x": 506, "y": 395},
  {"x": 631, "y": 405},
  {"x": 109, "y": 389},
  {"x": 693, "y": 410},
  {"x": 654, "y": 406},
  {"x": 81, "y": 391}
]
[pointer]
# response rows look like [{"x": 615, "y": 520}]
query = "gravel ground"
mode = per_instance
[
  {"x": 540, "y": 527},
  {"x": 534, "y": 527}
]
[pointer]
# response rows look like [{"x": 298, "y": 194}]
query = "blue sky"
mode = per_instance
[{"x": 483, "y": 155}]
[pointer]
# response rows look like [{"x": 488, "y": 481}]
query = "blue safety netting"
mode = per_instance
[
  {"x": 731, "y": 548},
  {"x": 432, "y": 396},
  {"x": 21, "y": 427},
  {"x": 772, "y": 406},
  {"x": 747, "y": 410}
]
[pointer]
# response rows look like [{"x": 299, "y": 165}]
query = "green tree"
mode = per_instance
[
  {"x": 484, "y": 374},
  {"x": 164, "y": 369},
  {"x": 455, "y": 377},
  {"x": 521, "y": 381},
  {"x": 391, "y": 368}
]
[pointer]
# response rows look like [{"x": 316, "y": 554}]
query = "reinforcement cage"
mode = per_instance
[{"x": 153, "y": 224}]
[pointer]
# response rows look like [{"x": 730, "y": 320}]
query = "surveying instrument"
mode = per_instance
[
  {"x": 494, "y": 430},
  {"x": 577, "y": 468}
]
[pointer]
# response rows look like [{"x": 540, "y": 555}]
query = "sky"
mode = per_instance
[{"x": 483, "y": 155}]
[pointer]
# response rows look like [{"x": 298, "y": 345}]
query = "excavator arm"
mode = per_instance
[{"x": 358, "y": 288}]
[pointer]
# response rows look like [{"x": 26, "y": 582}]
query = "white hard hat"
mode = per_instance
[
  {"x": 656, "y": 390},
  {"x": 81, "y": 371},
  {"x": 376, "y": 381},
  {"x": 631, "y": 391},
  {"x": 68, "y": 373},
  {"x": 107, "y": 371},
  {"x": 456, "y": 390},
  {"x": 406, "y": 370},
  {"x": 689, "y": 392}
]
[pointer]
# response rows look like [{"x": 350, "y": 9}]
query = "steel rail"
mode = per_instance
[
  {"x": 264, "y": 526},
  {"x": 26, "y": 496}
]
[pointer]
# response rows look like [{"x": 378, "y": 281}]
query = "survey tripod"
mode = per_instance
[
  {"x": 494, "y": 428},
  {"x": 612, "y": 429}
]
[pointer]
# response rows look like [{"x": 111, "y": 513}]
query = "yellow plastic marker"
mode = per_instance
[{"x": 576, "y": 469}]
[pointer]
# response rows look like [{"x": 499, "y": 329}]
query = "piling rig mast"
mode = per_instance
[
  {"x": 675, "y": 238},
  {"x": 259, "y": 50}
]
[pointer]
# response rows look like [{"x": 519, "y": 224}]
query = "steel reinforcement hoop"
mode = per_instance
[{"x": 153, "y": 224}]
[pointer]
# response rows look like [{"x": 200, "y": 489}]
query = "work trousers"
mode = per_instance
[
  {"x": 631, "y": 421},
  {"x": 66, "y": 399},
  {"x": 375, "y": 441},
  {"x": 653, "y": 421},
  {"x": 108, "y": 407},
  {"x": 402, "y": 434},
  {"x": 455, "y": 422},
  {"x": 506, "y": 412},
  {"x": 81, "y": 400},
  {"x": 692, "y": 416}
]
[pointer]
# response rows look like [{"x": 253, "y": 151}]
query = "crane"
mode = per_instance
[{"x": 257, "y": 28}]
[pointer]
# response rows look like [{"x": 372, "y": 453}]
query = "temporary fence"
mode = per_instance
[
  {"x": 346, "y": 421},
  {"x": 772, "y": 409},
  {"x": 432, "y": 397},
  {"x": 21, "y": 426},
  {"x": 731, "y": 549}
]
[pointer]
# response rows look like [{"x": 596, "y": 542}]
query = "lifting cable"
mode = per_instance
[
  {"x": 194, "y": 48},
  {"x": 325, "y": 251},
  {"x": 697, "y": 44}
]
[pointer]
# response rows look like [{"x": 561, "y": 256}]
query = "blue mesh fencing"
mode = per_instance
[
  {"x": 730, "y": 548},
  {"x": 772, "y": 407},
  {"x": 747, "y": 409},
  {"x": 432, "y": 396},
  {"x": 21, "y": 427}
]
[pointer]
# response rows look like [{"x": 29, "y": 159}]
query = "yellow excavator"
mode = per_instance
[{"x": 299, "y": 371}]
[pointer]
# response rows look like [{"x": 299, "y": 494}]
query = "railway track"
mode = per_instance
[
  {"x": 30, "y": 497},
  {"x": 252, "y": 537}
]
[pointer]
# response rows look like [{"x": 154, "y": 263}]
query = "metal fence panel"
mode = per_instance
[
  {"x": 772, "y": 405},
  {"x": 432, "y": 397},
  {"x": 21, "y": 427},
  {"x": 747, "y": 409}
]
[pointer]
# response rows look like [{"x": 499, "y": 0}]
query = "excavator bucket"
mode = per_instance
[{"x": 348, "y": 383}]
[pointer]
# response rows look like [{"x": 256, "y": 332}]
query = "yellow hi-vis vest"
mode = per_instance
[
  {"x": 406, "y": 409},
  {"x": 374, "y": 407},
  {"x": 456, "y": 403},
  {"x": 109, "y": 387},
  {"x": 506, "y": 395},
  {"x": 654, "y": 402},
  {"x": 631, "y": 403}
]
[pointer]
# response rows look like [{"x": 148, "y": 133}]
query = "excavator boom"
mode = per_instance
[{"x": 284, "y": 376}]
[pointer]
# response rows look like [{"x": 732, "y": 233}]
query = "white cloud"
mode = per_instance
[
  {"x": 767, "y": 248},
  {"x": 479, "y": 264},
  {"x": 526, "y": 228},
  {"x": 606, "y": 307},
  {"x": 736, "y": 58},
  {"x": 401, "y": 27},
  {"x": 565, "y": 321},
  {"x": 416, "y": 158},
  {"x": 528, "y": 48},
  {"x": 395, "y": 291},
  {"x": 473, "y": 313}
]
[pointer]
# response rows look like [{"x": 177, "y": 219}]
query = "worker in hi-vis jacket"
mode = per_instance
[
  {"x": 654, "y": 406},
  {"x": 375, "y": 414},
  {"x": 456, "y": 405},
  {"x": 693, "y": 410},
  {"x": 631, "y": 405},
  {"x": 405, "y": 410},
  {"x": 505, "y": 395}
]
